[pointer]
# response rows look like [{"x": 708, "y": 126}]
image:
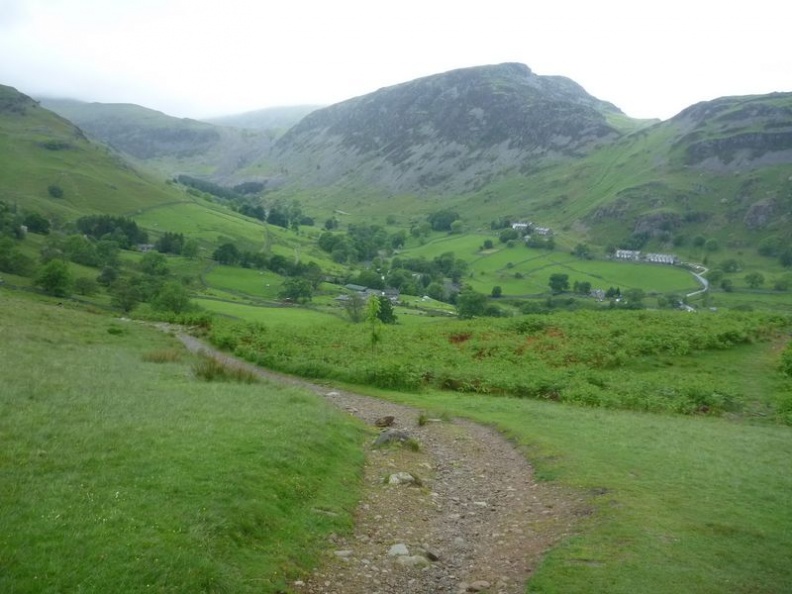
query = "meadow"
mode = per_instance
[
  {"x": 641, "y": 360},
  {"x": 120, "y": 470},
  {"x": 689, "y": 489}
]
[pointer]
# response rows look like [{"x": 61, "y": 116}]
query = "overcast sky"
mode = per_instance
[{"x": 201, "y": 58}]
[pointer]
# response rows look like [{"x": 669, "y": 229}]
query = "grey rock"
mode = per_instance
[
  {"x": 391, "y": 436},
  {"x": 398, "y": 550},
  {"x": 401, "y": 478}
]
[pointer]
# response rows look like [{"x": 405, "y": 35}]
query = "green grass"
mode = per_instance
[
  {"x": 689, "y": 505},
  {"x": 640, "y": 360},
  {"x": 298, "y": 317},
  {"x": 91, "y": 177},
  {"x": 120, "y": 474},
  {"x": 261, "y": 284},
  {"x": 523, "y": 271}
]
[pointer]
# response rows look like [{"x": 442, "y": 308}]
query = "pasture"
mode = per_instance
[{"x": 121, "y": 471}]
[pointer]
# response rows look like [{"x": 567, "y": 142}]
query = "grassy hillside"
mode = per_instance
[
  {"x": 122, "y": 470},
  {"x": 39, "y": 150},
  {"x": 170, "y": 145}
]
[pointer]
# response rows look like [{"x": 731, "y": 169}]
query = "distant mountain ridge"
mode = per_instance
[
  {"x": 450, "y": 132},
  {"x": 168, "y": 144},
  {"x": 500, "y": 141},
  {"x": 278, "y": 119}
]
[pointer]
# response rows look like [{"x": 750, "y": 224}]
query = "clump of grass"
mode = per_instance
[
  {"x": 210, "y": 369},
  {"x": 423, "y": 419},
  {"x": 163, "y": 356},
  {"x": 412, "y": 444}
]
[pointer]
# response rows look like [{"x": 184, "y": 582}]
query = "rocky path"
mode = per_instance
[{"x": 454, "y": 509}]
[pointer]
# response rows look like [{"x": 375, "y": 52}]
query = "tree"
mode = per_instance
[
  {"x": 582, "y": 287},
  {"x": 226, "y": 254},
  {"x": 55, "y": 278},
  {"x": 125, "y": 294},
  {"x": 712, "y": 245},
  {"x": 559, "y": 282},
  {"x": 582, "y": 251},
  {"x": 785, "y": 258},
  {"x": 488, "y": 245},
  {"x": 754, "y": 279},
  {"x": 386, "y": 313},
  {"x": 173, "y": 296},
  {"x": 297, "y": 289},
  {"x": 727, "y": 285},
  {"x": 55, "y": 191},
  {"x": 86, "y": 286},
  {"x": 153, "y": 264},
  {"x": 107, "y": 252},
  {"x": 190, "y": 249},
  {"x": 354, "y": 308},
  {"x": 12, "y": 260},
  {"x": 497, "y": 291},
  {"x": 442, "y": 219},
  {"x": 508, "y": 235},
  {"x": 715, "y": 275},
  {"x": 471, "y": 304},
  {"x": 372, "y": 317},
  {"x": 170, "y": 243},
  {"x": 36, "y": 223},
  {"x": 634, "y": 295}
]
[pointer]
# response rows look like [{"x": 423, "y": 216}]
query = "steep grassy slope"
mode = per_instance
[
  {"x": 39, "y": 150},
  {"x": 168, "y": 144}
]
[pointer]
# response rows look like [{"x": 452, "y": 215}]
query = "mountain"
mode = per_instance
[
  {"x": 278, "y": 119},
  {"x": 48, "y": 164},
  {"x": 449, "y": 133},
  {"x": 500, "y": 141},
  {"x": 170, "y": 145}
]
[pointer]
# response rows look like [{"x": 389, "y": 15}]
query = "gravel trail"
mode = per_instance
[{"x": 472, "y": 520}]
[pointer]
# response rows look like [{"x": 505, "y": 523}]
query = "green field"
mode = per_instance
[{"x": 121, "y": 471}]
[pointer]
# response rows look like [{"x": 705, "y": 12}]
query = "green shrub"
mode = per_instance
[
  {"x": 210, "y": 369},
  {"x": 786, "y": 360}
]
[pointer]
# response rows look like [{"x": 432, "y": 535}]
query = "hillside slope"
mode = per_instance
[
  {"x": 448, "y": 133},
  {"x": 48, "y": 165},
  {"x": 167, "y": 144},
  {"x": 278, "y": 119}
]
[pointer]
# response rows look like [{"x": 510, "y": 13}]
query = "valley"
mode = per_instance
[{"x": 471, "y": 245}]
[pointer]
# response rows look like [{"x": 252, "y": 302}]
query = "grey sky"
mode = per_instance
[{"x": 197, "y": 58}]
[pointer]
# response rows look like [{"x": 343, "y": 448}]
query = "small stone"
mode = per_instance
[
  {"x": 390, "y": 436},
  {"x": 401, "y": 478},
  {"x": 398, "y": 550},
  {"x": 385, "y": 421},
  {"x": 478, "y": 586},
  {"x": 413, "y": 561},
  {"x": 343, "y": 554},
  {"x": 299, "y": 583},
  {"x": 431, "y": 554}
]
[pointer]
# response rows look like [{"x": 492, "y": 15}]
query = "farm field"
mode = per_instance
[
  {"x": 523, "y": 271},
  {"x": 298, "y": 317}
]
